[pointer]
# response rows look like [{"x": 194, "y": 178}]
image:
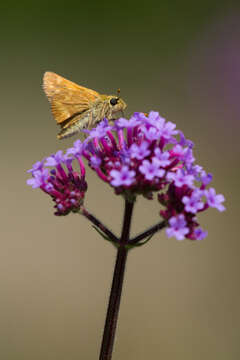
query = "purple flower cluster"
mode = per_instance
[
  {"x": 132, "y": 154},
  {"x": 187, "y": 195},
  {"x": 142, "y": 155},
  {"x": 66, "y": 187}
]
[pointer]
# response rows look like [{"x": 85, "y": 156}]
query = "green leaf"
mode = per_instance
[
  {"x": 130, "y": 246},
  {"x": 104, "y": 236}
]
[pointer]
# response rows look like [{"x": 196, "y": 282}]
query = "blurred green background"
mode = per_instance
[{"x": 180, "y": 299}]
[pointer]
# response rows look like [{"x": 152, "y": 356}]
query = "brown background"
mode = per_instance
[{"x": 180, "y": 299}]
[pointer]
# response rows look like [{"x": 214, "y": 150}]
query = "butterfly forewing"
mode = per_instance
[{"x": 66, "y": 97}]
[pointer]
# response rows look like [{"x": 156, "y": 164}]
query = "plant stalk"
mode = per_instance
[{"x": 116, "y": 290}]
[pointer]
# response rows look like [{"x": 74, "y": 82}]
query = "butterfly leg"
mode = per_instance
[
  {"x": 90, "y": 121},
  {"x": 111, "y": 121}
]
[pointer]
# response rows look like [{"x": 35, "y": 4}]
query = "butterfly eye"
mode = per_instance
[{"x": 114, "y": 101}]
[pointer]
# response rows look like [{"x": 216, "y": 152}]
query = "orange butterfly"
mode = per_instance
[{"x": 75, "y": 107}]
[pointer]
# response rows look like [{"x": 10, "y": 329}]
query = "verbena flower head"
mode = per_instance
[
  {"x": 142, "y": 155},
  {"x": 66, "y": 186}
]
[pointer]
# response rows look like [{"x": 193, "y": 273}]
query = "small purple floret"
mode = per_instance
[
  {"x": 193, "y": 203},
  {"x": 180, "y": 178},
  {"x": 151, "y": 169},
  {"x": 139, "y": 151},
  {"x": 163, "y": 157},
  {"x": 37, "y": 166},
  {"x": 183, "y": 141},
  {"x": 168, "y": 130},
  {"x": 39, "y": 178},
  {"x": 178, "y": 227},
  {"x": 56, "y": 159},
  {"x": 77, "y": 148},
  {"x": 200, "y": 234},
  {"x": 95, "y": 161},
  {"x": 214, "y": 200},
  {"x": 151, "y": 133},
  {"x": 205, "y": 178},
  {"x": 122, "y": 177},
  {"x": 100, "y": 131},
  {"x": 134, "y": 121}
]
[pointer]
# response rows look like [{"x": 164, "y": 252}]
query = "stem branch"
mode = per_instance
[
  {"x": 152, "y": 230},
  {"x": 99, "y": 225}
]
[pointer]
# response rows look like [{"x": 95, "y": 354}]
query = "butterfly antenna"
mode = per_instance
[{"x": 118, "y": 94}]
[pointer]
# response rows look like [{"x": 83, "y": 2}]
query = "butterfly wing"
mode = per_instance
[{"x": 67, "y": 98}]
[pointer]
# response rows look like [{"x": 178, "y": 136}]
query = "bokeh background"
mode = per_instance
[{"x": 180, "y": 299}]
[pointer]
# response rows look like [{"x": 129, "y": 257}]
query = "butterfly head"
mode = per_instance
[{"x": 116, "y": 103}]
